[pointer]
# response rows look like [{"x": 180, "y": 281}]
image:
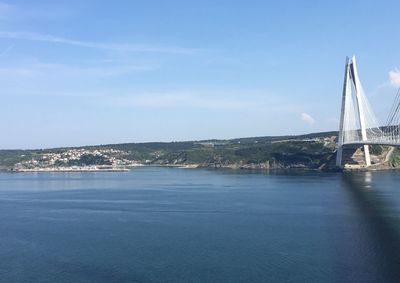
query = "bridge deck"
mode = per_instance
[{"x": 373, "y": 143}]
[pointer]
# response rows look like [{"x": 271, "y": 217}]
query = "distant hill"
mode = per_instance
[
  {"x": 313, "y": 150},
  {"x": 310, "y": 151}
]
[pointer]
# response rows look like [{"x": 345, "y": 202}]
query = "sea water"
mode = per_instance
[{"x": 156, "y": 224}]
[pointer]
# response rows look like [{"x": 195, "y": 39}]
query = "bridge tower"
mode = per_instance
[{"x": 351, "y": 79}]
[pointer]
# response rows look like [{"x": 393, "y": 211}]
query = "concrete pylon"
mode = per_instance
[
  {"x": 351, "y": 76},
  {"x": 339, "y": 152}
]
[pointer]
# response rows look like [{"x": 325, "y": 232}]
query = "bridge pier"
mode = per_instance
[
  {"x": 339, "y": 156},
  {"x": 367, "y": 155}
]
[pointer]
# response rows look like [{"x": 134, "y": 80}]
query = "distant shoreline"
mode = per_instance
[
  {"x": 81, "y": 169},
  {"x": 92, "y": 169},
  {"x": 196, "y": 166}
]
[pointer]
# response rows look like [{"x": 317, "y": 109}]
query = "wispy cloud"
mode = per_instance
[
  {"x": 8, "y": 48},
  {"x": 223, "y": 100},
  {"x": 47, "y": 70},
  {"x": 6, "y": 9},
  {"x": 125, "y": 47},
  {"x": 394, "y": 77},
  {"x": 307, "y": 118},
  {"x": 184, "y": 100}
]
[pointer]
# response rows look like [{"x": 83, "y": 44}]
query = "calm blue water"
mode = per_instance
[{"x": 182, "y": 225}]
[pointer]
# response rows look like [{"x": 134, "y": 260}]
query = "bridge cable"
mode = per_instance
[{"x": 394, "y": 112}]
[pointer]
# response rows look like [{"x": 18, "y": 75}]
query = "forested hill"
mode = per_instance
[{"x": 310, "y": 151}]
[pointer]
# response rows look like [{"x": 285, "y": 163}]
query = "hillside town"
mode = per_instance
[{"x": 78, "y": 160}]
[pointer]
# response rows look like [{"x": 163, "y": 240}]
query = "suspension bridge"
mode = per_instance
[{"x": 358, "y": 123}]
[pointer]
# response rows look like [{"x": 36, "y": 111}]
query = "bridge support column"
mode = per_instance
[
  {"x": 339, "y": 152},
  {"x": 351, "y": 76},
  {"x": 361, "y": 114},
  {"x": 367, "y": 155}
]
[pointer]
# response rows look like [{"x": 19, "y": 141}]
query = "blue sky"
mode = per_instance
[{"x": 96, "y": 72}]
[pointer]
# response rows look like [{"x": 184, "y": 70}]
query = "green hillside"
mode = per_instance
[{"x": 305, "y": 151}]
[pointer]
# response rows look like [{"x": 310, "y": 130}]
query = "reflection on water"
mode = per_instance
[{"x": 379, "y": 214}]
